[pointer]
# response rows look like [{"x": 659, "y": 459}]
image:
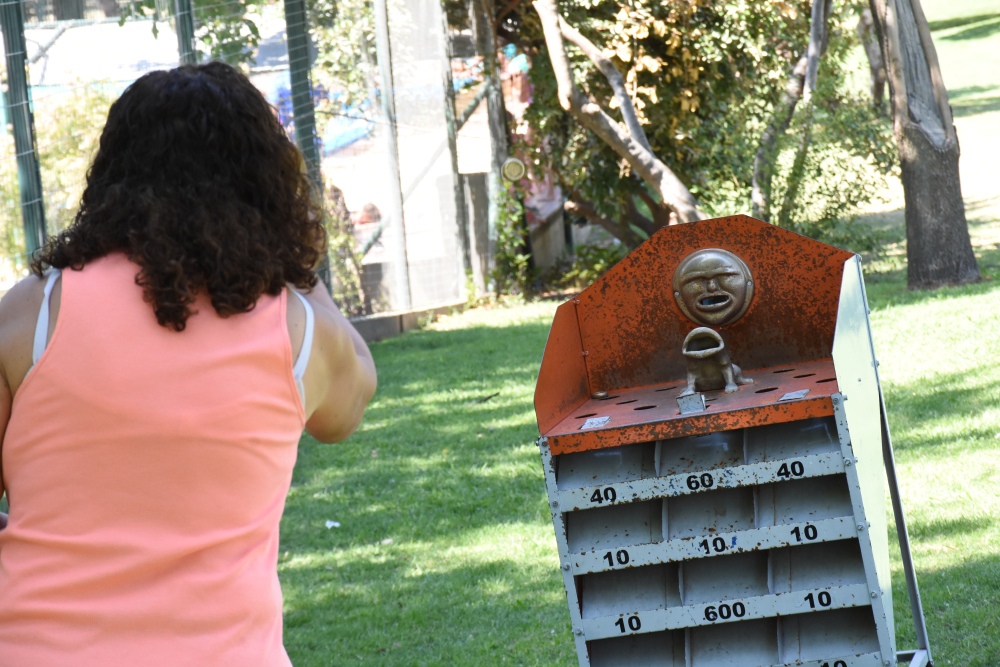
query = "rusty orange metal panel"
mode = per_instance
[
  {"x": 650, "y": 413},
  {"x": 632, "y": 328},
  {"x": 562, "y": 378},
  {"x": 623, "y": 335}
]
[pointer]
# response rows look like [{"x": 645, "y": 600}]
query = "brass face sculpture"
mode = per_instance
[{"x": 713, "y": 287}]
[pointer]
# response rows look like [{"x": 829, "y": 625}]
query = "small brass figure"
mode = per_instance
[
  {"x": 708, "y": 364},
  {"x": 713, "y": 287}
]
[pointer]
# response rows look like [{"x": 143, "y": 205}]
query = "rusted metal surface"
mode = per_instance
[
  {"x": 651, "y": 413},
  {"x": 562, "y": 379},
  {"x": 624, "y": 334}
]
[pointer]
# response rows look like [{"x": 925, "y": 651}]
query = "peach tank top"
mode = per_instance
[{"x": 147, "y": 472}]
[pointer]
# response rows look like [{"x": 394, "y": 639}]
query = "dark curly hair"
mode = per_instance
[{"x": 196, "y": 182}]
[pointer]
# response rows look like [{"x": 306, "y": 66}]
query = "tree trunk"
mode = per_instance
[
  {"x": 481, "y": 13},
  {"x": 801, "y": 84},
  {"x": 939, "y": 250},
  {"x": 630, "y": 144},
  {"x": 763, "y": 162},
  {"x": 876, "y": 68}
]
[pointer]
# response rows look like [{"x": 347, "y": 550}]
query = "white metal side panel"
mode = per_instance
[{"x": 859, "y": 425}]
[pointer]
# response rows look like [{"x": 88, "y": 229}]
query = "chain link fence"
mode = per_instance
[{"x": 386, "y": 164}]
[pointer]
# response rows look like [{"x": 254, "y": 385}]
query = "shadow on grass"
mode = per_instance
[
  {"x": 482, "y": 614},
  {"x": 966, "y": 108},
  {"x": 946, "y": 528},
  {"x": 938, "y": 412},
  {"x": 446, "y": 445},
  {"x": 960, "y": 21},
  {"x": 960, "y": 606},
  {"x": 987, "y": 25}
]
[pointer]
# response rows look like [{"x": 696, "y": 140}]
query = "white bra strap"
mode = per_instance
[
  {"x": 42, "y": 325},
  {"x": 299, "y": 369}
]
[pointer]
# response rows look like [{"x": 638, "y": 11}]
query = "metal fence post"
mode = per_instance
[
  {"x": 461, "y": 213},
  {"x": 185, "y": 32},
  {"x": 400, "y": 269},
  {"x": 20, "y": 116},
  {"x": 485, "y": 35},
  {"x": 303, "y": 111}
]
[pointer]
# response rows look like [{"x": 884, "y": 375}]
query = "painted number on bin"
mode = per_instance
[
  {"x": 809, "y": 532},
  {"x": 718, "y": 545},
  {"x": 823, "y": 599},
  {"x": 793, "y": 469},
  {"x": 702, "y": 481},
  {"x": 725, "y": 611},
  {"x": 632, "y": 624},
  {"x": 608, "y": 493},
  {"x": 621, "y": 556}
]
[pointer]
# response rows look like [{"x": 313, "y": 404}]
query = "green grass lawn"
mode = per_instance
[{"x": 445, "y": 554}]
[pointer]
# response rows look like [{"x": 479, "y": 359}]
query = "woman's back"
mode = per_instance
[{"x": 148, "y": 469}]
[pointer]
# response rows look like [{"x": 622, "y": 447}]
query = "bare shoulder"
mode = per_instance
[{"x": 18, "y": 315}]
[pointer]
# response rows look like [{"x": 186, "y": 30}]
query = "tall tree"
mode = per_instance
[
  {"x": 630, "y": 97},
  {"x": 630, "y": 142},
  {"x": 939, "y": 250}
]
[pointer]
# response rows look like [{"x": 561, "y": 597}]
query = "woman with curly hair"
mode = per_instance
[{"x": 157, "y": 372}]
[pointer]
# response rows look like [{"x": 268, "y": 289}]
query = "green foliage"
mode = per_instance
[
  {"x": 705, "y": 79},
  {"x": 14, "y": 261},
  {"x": 512, "y": 273},
  {"x": 345, "y": 257},
  {"x": 589, "y": 263},
  {"x": 222, "y": 30},
  {"x": 850, "y": 153},
  {"x": 344, "y": 34},
  {"x": 68, "y": 127}
]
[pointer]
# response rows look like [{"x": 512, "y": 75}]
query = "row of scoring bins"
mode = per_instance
[{"x": 732, "y": 548}]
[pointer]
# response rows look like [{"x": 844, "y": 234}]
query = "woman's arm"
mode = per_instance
[
  {"x": 340, "y": 379},
  {"x": 18, "y": 315}
]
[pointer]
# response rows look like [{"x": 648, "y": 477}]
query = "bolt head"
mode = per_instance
[
  {"x": 847, "y": 462},
  {"x": 566, "y": 567},
  {"x": 861, "y": 526}
]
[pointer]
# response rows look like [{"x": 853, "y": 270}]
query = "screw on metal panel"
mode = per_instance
[
  {"x": 836, "y": 401},
  {"x": 578, "y": 632},
  {"x": 555, "y": 503},
  {"x": 847, "y": 462},
  {"x": 874, "y": 594},
  {"x": 861, "y": 526},
  {"x": 566, "y": 567}
]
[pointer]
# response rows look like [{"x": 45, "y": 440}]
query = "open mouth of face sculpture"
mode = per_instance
[
  {"x": 713, "y": 302},
  {"x": 713, "y": 287},
  {"x": 701, "y": 343}
]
